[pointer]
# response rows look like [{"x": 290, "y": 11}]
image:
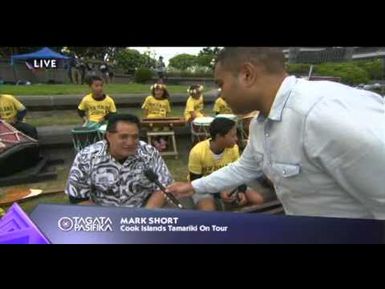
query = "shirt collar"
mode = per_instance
[
  {"x": 280, "y": 99},
  {"x": 138, "y": 155}
]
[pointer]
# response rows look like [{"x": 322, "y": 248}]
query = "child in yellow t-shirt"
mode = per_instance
[
  {"x": 212, "y": 154},
  {"x": 194, "y": 104},
  {"x": 157, "y": 105},
  {"x": 96, "y": 107},
  {"x": 13, "y": 112},
  {"x": 221, "y": 106}
]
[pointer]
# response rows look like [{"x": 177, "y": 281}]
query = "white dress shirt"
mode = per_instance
[{"x": 323, "y": 147}]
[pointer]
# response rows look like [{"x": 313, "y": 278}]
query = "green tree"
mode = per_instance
[
  {"x": 183, "y": 61},
  {"x": 373, "y": 67},
  {"x": 148, "y": 60},
  {"x": 131, "y": 59},
  {"x": 299, "y": 68},
  {"x": 142, "y": 75},
  {"x": 349, "y": 72},
  {"x": 97, "y": 53},
  {"x": 207, "y": 56}
]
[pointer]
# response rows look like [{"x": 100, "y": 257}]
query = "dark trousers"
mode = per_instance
[{"x": 26, "y": 128}]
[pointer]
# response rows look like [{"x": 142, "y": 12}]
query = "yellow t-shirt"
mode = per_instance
[
  {"x": 156, "y": 107},
  {"x": 193, "y": 105},
  {"x": 97, "y": 109},
  {"x": 202, "y": 161},
  {"x": 221, "y": 107},
  {"x": 9, "y": 106}
]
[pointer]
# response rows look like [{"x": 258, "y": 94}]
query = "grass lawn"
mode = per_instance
[
  {"x": 56, "y": 89},
  {"x": 177, "y": 167}
]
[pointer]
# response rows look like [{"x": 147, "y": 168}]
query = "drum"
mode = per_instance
[
  {"x": 100, "y": 126},
  {"x": 204, "y": 121},
  {"x": 200, "y": 128},
  {"x": 229, "y": 116},
  {"x": 245, "y": 124},
  {"x": 17, "y": 150},
  {"x": 85, "y": 136},
  {"x": 91, "y": 124},
  {"x": 232, "y": 117},
  {"x": 102, "y": 129}
]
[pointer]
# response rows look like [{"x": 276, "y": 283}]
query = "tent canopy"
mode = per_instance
[{"x": 44, "y": 53}]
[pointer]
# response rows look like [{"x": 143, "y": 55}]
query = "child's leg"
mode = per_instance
[
  {"x": 253, "y": 197},
  {"x": 156, "y": 144},
  {"x": 163, "y": 140},
  {"x": 204, "y": 202}
]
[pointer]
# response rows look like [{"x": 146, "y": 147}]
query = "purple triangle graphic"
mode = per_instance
[{"x": 17, "y": 228}]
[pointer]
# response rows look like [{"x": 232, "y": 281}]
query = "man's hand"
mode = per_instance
[
  {"x": 225, "y": 196},
  {"x": 156, "y": 200},
  {"x": 86, "y": 203},
  {"x": 241, "y": 199},
  {"x": 181, "y": 189}
]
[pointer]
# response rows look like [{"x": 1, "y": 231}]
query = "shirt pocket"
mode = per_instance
[{"x": 284, "y": 170}]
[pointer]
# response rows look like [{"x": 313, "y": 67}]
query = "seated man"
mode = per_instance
[
  {"x": 111, "y": 172},
  {"x": 13, "y": 112},
  {"x": 212, "y": 154},
  {"x": 96, "y": 106}
]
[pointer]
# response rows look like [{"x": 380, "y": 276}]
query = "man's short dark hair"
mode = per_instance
[
  {"x": 271, "y": 58},
  {"x": 116, "y": 117},
  {"x": 93, "y": 78},
  {"x": 221, "y": 126}
]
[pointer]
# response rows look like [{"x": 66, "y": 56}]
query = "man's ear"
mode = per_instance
[
  {"x": 248, "y": 74},
  {"x": 108, "y": 137}
]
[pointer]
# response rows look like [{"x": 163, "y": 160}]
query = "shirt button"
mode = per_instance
[
  {"x": 267, "y": 134},
  {"x": 284, "y": 172}
]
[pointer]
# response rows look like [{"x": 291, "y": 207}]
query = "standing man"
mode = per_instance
[
  {"x": 321, "y": 143},
  {"x": 161, "y": 69}
]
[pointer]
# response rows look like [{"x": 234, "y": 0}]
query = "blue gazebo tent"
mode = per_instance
[
  {"x": 38, "y": 75},
  {"x": 44, "y": 53}
]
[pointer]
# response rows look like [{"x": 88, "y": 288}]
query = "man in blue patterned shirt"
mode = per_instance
[
  {"x": 111, "y": 172},
  {"x": 321, "y": 143}
]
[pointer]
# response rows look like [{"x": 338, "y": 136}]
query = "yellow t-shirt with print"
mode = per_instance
[
  {"x": 9, "y": 106},
  {"x": 156, "y": 108},
  {"x": 221, "y": 107},
  {"x": 202, "y": 161},
  {"x": 96, "y": 110},
  {"x": 193, "y": 105}
]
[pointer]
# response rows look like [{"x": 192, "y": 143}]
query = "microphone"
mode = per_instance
[
  {"x": 233, "y": 192},
  {"x": 240, "y": 189},
  {"x": 153, "y": 177}
]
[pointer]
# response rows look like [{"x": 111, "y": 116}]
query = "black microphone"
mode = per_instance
[
  {"x": 153, "y": 177},
  {"x": 240, "y": 189}
]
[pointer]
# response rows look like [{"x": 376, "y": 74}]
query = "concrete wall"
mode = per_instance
[{"x": 52, "y": 102}]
